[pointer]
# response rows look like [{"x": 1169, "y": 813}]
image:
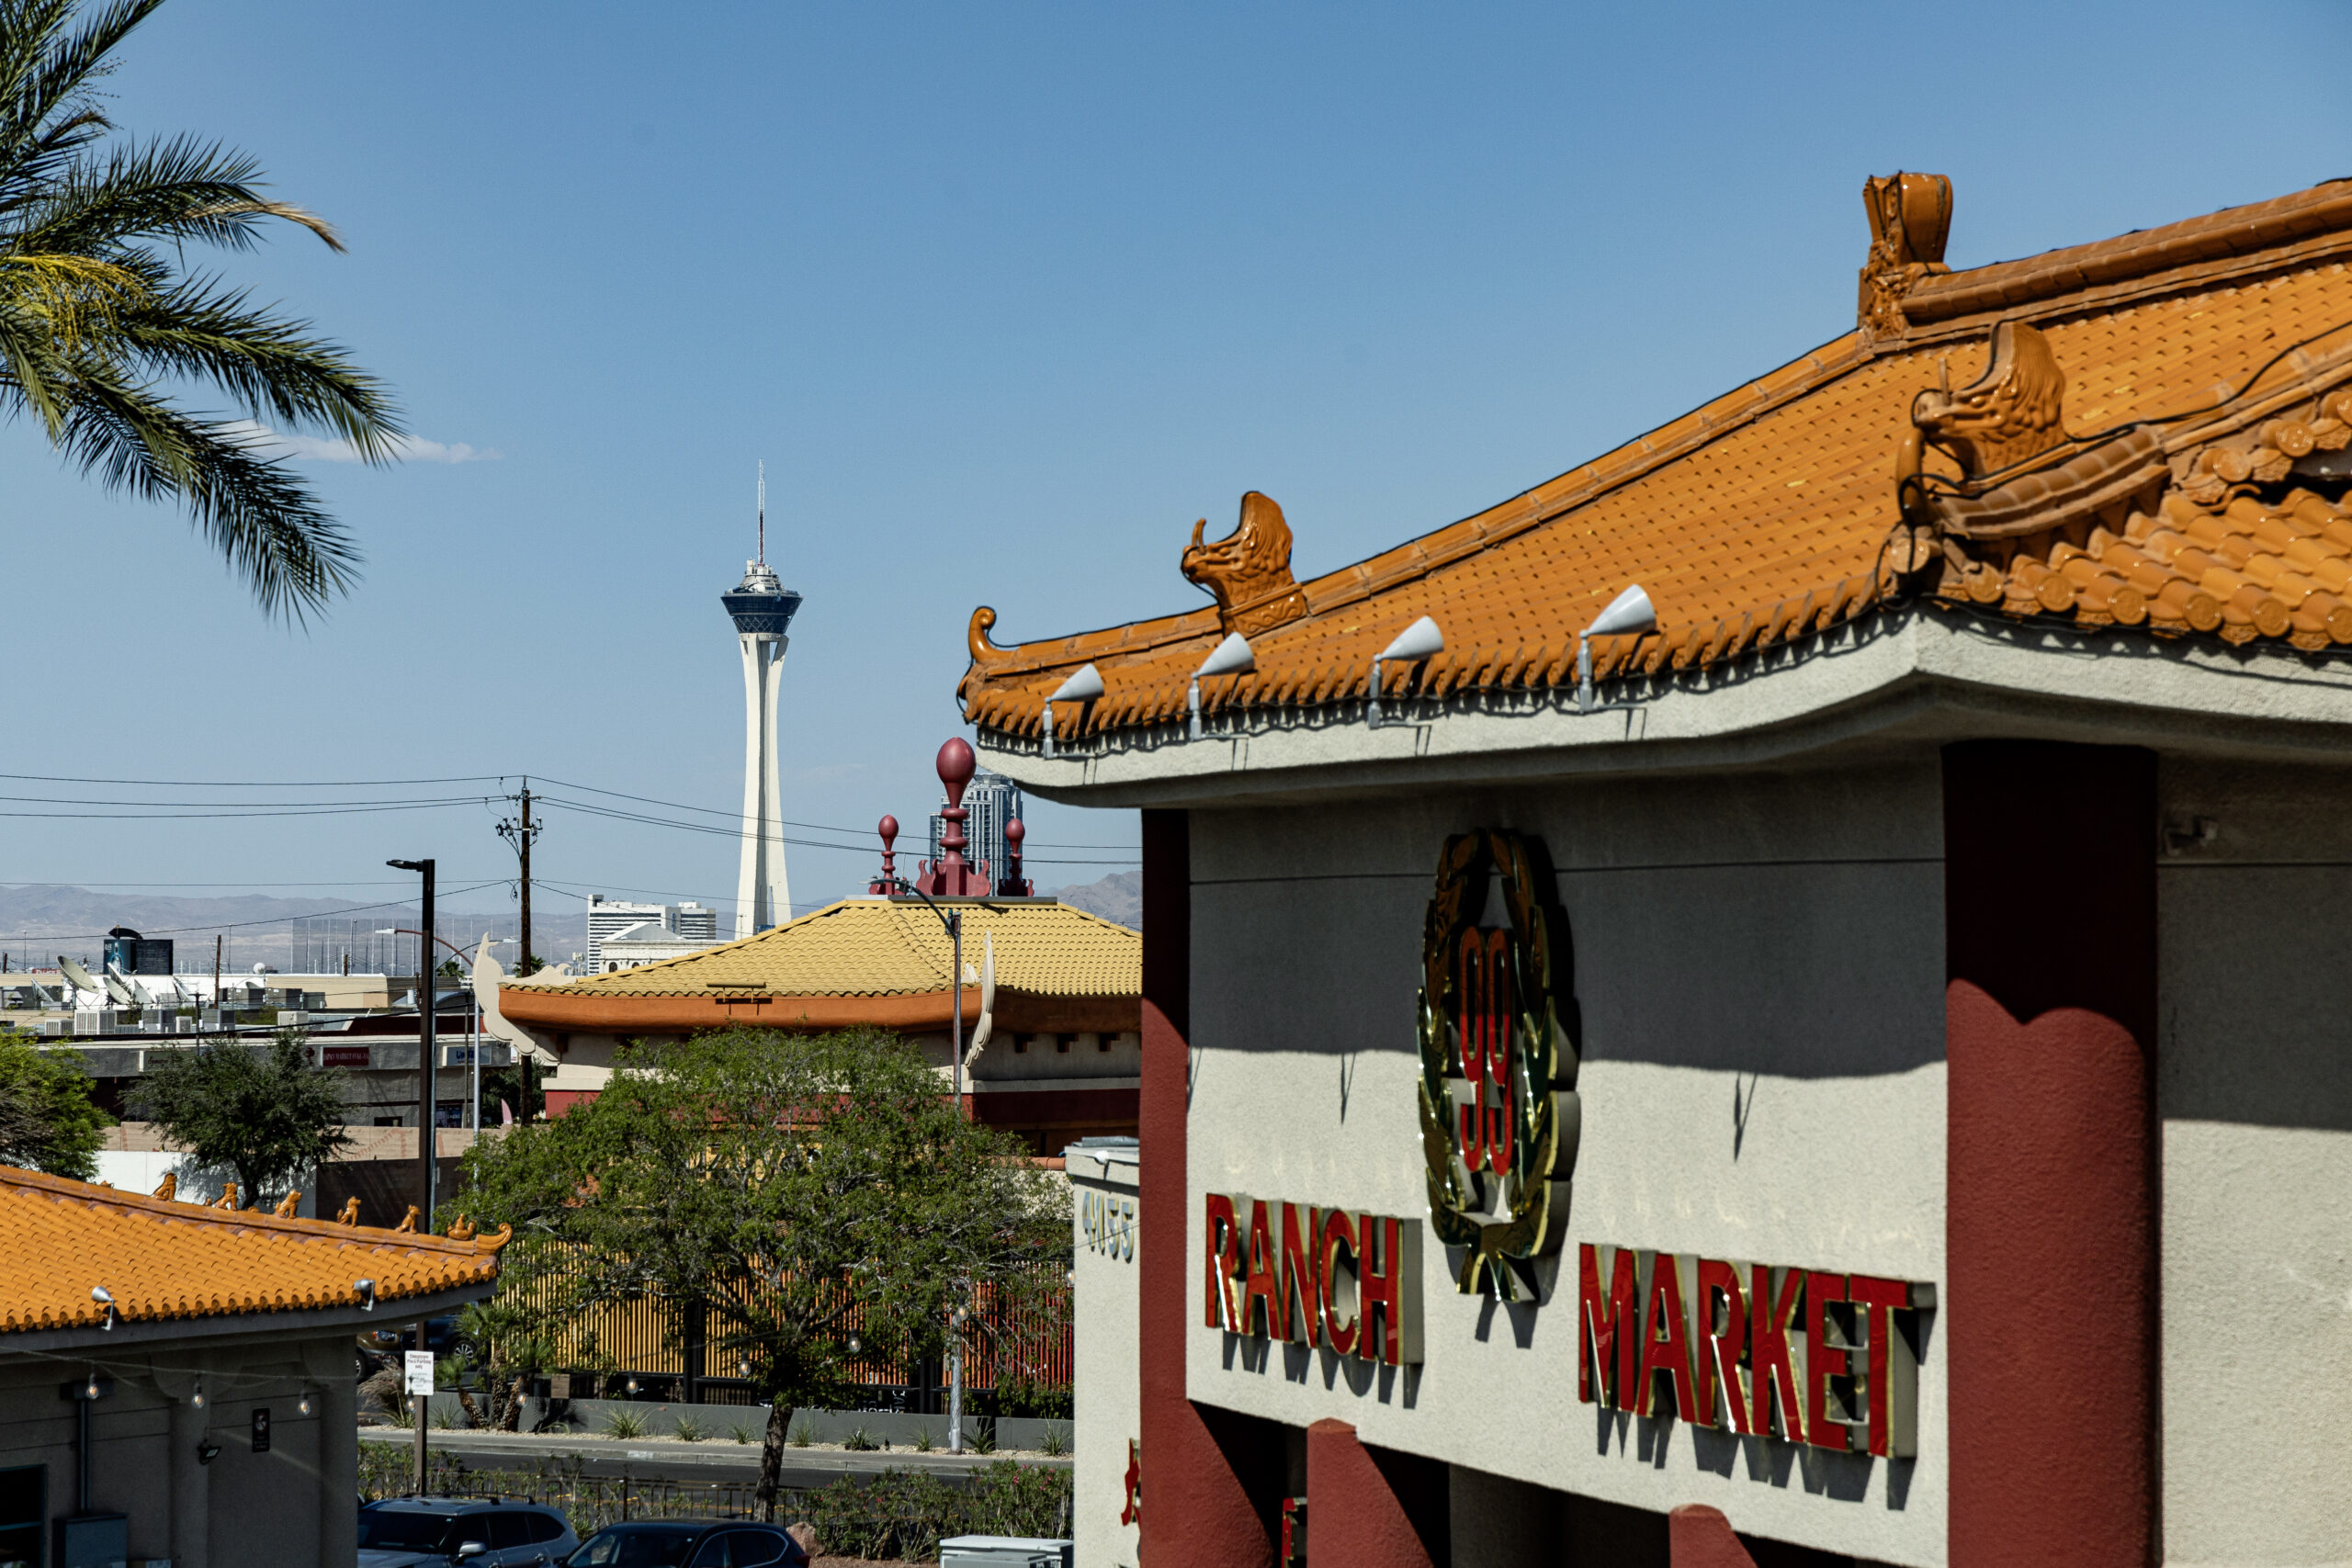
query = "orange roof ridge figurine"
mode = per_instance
[
  {"x": 2120, "y": 456},
  {"x": 161, "y": 1259}
]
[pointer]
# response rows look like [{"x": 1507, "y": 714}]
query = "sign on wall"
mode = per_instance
[
  {"x": 1498, "y": 1108},
  {"x": 1107, "y": 1221},
  {"x": 1809, "y": 1356},
  {"x": 1349, "y": 1283}
]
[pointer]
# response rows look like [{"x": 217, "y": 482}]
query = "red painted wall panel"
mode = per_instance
[
  {"x": 1196, "y": 1508},
  {"x": 2051, "y": 1221}
]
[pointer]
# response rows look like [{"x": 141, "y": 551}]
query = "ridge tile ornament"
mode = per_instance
[
  {"x": 1249, "y": 569},
  {"x": 1910, "y": 218},
  {"x": 1500, "y": 1118}
]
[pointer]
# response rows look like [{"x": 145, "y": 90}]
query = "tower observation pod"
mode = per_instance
[{"x": 762, "y": 608}]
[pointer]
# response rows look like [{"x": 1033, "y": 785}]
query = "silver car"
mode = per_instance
[{"x": 478, "y": 1532}]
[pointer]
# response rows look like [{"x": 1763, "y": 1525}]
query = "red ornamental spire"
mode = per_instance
[
  {"x": 887, "y": 883},
  {"x": 1012, "y": 885},
  {"x": 949, "y": 877}
]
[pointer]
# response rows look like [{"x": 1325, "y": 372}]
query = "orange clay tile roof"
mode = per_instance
[
  {"x": 2212, "y": 354},
  {"x": 878, "y": 947},
  {"x": 165, "y": 1260}
]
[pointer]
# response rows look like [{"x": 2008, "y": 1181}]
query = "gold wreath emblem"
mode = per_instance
[{"x": 1499, "y": 1115}]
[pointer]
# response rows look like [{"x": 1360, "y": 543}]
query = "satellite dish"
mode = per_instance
[
  {"x": 1629, "y": 612},
  {"x": 123, "y": 995},
  {"x": 987, "y": 1026},
  {"x": 83, "y": 980}
]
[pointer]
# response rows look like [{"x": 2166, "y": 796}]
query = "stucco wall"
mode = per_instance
[
  {"x": 1109, "y": 1409},
  {"x": 1760, "y": 964},
  {"x": 2255, "y": 1084},
  {"x": 262, "y": 1510}
]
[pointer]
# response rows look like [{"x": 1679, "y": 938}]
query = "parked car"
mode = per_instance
[
  {"x": 689, "y": 1543},
  {"x": 479, "y": 1532},
  {"x": 379, "y": 1348}
]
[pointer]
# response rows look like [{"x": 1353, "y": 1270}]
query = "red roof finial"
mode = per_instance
[
  {"x": 1011, "y": 884},
  {"x": 950, "y": 876},
  {"x": 887, "y": 883}
]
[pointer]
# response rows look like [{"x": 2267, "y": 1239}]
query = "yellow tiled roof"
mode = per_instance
[
  {"x": 1767, "y": 515},
  {"x": 161, "y": 1259},
  {"x": 878, "y": 947}
]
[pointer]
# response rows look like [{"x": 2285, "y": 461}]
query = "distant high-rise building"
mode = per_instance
[
  {"x": 689, "y": 925},
  {"x": 994, "y": 800},
  {"x": 762, "y": 609},
  {"x": 610, "y": 917}
]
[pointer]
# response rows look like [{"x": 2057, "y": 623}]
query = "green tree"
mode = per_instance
[
  {"x": 100, "y": 319},
  {"x": 262, "y": 1111},
  {"x": 47, "y": 1121},
  {"x": 810, "y": 1193}
]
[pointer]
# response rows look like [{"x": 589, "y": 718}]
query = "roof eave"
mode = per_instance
[
  {"x": 1928, "y": 674},
  {"x": 235, "y": 1327}
]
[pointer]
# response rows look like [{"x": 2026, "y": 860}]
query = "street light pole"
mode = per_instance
[
  {"x": 955, "y": 1054},
  {"x": 954, "y": 920},
  {"x": 422, "y": 1407}
]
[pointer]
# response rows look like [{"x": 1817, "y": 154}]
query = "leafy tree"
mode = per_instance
[
  {"x": 808, "y": 1192},
  {"x": 264, "y": 1113},
  {"x": 47, "y": 1121},
  {"x": 99, "y": 316}
]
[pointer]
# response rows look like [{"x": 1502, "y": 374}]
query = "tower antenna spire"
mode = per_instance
[{"x": 763, "y": 511}]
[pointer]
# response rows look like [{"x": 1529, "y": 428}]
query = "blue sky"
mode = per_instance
[{"x": 1006, "y": 296}]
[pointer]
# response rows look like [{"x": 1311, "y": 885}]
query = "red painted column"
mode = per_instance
[
  {"x": 1701, "y": 1537},
  {"x": 2051, "y": 1224},
  {"x": 1354, "y": 1519},
  {"x": 1195, "y": 1506}
]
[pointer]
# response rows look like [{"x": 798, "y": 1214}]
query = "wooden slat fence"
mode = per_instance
[{"x": 1007, "y": 1341}]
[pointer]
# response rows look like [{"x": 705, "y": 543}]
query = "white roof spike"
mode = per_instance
[
  {"x": 1231, "y": 657},
  {"x": 1629, "y": 612},
  {"x": 1083, "y": 687},
  {"x": 1416, "y": 641}
]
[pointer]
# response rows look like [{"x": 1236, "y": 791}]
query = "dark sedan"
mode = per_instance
[{"x": 689, "y": 1543}]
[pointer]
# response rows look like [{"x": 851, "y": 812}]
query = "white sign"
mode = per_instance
[{"x": 420, "y": 1372}]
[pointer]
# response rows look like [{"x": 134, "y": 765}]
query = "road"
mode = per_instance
[{"x": 702, "y": 1462}]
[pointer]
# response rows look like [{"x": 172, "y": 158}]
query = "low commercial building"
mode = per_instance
[
  {"x": 176, "y": 1381},
  {"x": 1061, "y": 1060},
  {"x": 1837, "y": 1058}
]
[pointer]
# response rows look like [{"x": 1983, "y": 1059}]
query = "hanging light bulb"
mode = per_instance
[
  {"x": 197, "y": 1398},
  {"x": 305, "y": 1406},
  {"x": 855, "y": 1347},
  {"x": 90, "y": 1388}
]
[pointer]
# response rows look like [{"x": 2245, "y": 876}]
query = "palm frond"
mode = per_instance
[
  {"x": 271, "y": 366},
  {"x": 177, "y": 190},
  {"x": 99, "y": 321},
  {"x": 294, "y": 557},
  {"x": 45, "y": 79}
]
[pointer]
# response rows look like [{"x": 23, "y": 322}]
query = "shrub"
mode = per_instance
[
  {"x": 741, "y": 1433},
  {"x": 858, "y": 1442},
  {"x": 691, "y": 1431},
  {"x": 1056, "y": 1441},
  {"x": 624, "y": 1424}
]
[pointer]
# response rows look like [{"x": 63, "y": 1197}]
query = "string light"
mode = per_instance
[
  {"x": 197, "y": 1398},
  {"x": 305, "y": 1406}
]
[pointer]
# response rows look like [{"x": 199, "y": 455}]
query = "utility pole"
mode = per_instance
[
  {"x": 424, "y": 1138},
  {"x": 519, "y": 831}
]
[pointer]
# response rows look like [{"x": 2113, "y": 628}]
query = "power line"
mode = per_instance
[
  {"x": 240, "y": 925},
  {"x": 257, "y": 784},
  {"x": 737, "y": 815}
]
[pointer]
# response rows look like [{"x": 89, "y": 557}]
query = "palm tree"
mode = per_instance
[{"x": 100, "y": 320}]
